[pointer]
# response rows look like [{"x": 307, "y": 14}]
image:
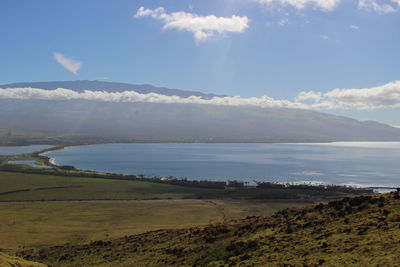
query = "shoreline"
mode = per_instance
[{"x": 48, "y": 161}]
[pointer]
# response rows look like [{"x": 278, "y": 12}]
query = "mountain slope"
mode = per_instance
[
  {"x": 106, "y": 121},
  {"x": 185, "y": 122},
  {"x": 361, "y": 231}
]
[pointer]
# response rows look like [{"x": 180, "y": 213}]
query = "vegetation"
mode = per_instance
[
  {"x": 16, "y": 186},
  {"x": 336, "y": 188},
  {"x": 22, "y": 138},
  {"x": 34, "y": 225},
  {"x": 361, "y": 231},
  {"x": 67, "y": 216},
  {"x": 20, "y": 186},
  {"x": 7, "y": 260}
]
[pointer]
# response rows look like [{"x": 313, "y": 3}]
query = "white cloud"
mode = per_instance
[
  {"x": 324, "y": 5},
  {"x": 324, "y": 37},
  {"x": 203, "y": 27},
  {"x": 354, "y": 27},
  {"x": 70, "y": 64},
  {"x": 132, "y": 96},
  {"x": 310, "y": 95},
  {"x": 380, "y": 6},
  {"x": 384, "y": 96}
]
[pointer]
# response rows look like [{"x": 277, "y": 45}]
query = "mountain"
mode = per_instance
[
  {"x": 66, "y": 121},
  {"x": 360, "y": 231},
  {"x": 82, "y": 85}
]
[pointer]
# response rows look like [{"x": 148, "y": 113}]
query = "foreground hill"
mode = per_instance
[
  {"x": 93, "y": 121},
  {"x": 361, "y": 231},
  {"x": 7, "y": 260}
]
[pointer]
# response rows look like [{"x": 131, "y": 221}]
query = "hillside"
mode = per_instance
[
  {"x": 7, "y": 260},
  {"x": 70, "y": 121},
  {"x": 361, "y": 231}
]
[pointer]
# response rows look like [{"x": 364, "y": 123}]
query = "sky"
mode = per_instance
[{"x": 335, "y": 56}]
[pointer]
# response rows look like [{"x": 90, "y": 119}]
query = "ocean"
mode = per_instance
[{"x": 345, "y": 163}]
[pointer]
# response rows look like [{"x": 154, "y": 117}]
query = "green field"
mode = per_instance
[
  {"x": 63, "y": 213},
  {"x": 19, "y": 186},
  {"x": 16, "y": 186}
]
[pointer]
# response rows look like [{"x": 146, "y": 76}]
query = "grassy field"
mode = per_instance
[
  {"x": 362, "y": 231},
  {"x": 39, "y": 210},
  {"x": 27, "y": 225},
  {"x": 21, "y": 186}
]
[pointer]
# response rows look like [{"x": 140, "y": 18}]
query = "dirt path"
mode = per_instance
[{"x": 218, "y": 208}]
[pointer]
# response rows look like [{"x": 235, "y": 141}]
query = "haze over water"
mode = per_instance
[{"x": 352, "y": 163}]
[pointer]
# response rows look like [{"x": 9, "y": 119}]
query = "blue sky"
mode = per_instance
[{"x": 277, "y": 48}]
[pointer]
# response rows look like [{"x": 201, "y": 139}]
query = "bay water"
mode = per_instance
[{"x": 345, "y": 163}]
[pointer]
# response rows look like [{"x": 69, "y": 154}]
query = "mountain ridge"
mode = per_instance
[
  {"x": 177, "y": 122},
  {"x": 95, "y": 85}
]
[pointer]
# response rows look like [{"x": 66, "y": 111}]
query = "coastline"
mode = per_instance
[{"x": 49, "y": 161}]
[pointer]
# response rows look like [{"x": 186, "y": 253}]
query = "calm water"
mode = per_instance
[
  {"x": 16, "y": 150},
  {"x": 371, "y": 164}
]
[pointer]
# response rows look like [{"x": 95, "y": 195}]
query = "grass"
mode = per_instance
[
  {"x": 362, "y": 231},
  {"x": 35, "y": 224},
  {"x": 16, "y": 186},
  {"x": 32, "y": 225},
  {"x": 49, "y": 187},
  {"x": 26, "y": 224},
  {"x": 7, "y": 260}
]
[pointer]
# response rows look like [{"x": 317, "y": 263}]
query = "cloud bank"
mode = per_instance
[
  {"x": 69, "y": 64},
  {"x": 132, "y": 96},
  {"x": 203, "y": 27},
  {"x": 387, "y": 95}
]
